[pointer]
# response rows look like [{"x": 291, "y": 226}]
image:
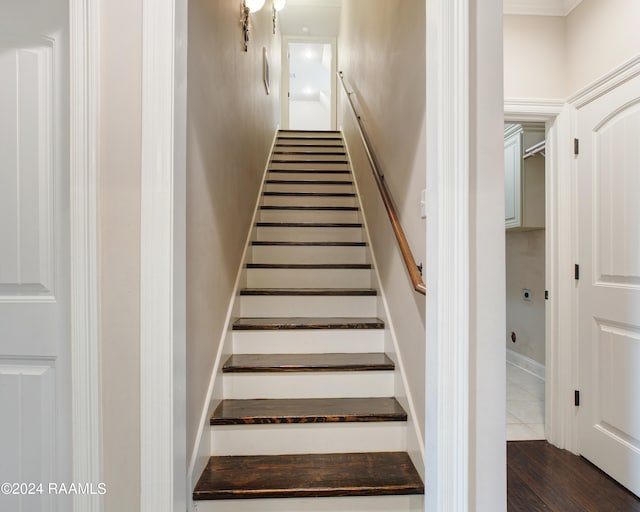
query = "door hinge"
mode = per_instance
[
  {"x": 576, "y": 147},
  {"x": 546, "y": 295},
  {"x": 576, "y": 272},
  {"x": 576, "y": 398}
]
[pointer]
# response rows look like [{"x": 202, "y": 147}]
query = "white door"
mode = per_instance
[
  {"x": 310, "y": 84},
  {"x": 35, "y": 440},
  {"x": 608, "y": 177}
]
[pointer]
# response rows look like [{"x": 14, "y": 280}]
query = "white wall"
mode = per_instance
[
  {"x": 119, "y": 246},
  {"x": 230, "y": 125},
  {"x": 553, "y": 57},
  {"x": 525, "y": 257},
  {"x": 382, "y": 53}
]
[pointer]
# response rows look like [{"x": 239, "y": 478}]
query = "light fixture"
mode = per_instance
[
  {"x": 278, "y": 5},
  {"x": 254, "y": 5},
  {"x": 248, "y": 6}
]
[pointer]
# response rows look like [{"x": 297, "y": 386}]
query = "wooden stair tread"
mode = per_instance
[
  {"x": 289, "y": 152},
  {"x": 308, "y": 475},
  {"x": 309, "y": 224},
  {"x": 280, "y": 323},
  {"x": 312, "y": 208},
  {"x": 310, "y": 194},
  {"x": 308, "y": 160},
  {"x": 307, "y": 410},
  {"x": 310, "y": 266},
  {"x": 254, "y": 363},
  {"x": 310, "y": 292},
  {"x": 309, "y": 244},
  {"x": 308, "y": 182},
  {"x": 310, "y": 171}
]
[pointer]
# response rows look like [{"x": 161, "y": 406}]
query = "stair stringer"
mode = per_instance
[
  {"x": 415, "y": 442},
  {"x": 202, "y": 449}
]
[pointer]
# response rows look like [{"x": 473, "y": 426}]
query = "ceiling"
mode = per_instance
[
  {"x": 540, "y": 7},
  {"x": 321, "y": 18}
]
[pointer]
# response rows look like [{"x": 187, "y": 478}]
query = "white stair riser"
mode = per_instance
[
  {"x": 308, "y": 385},
  {"x": 347, "y": 504},
  {"x": 309, "y": 234},
  {"x": 307, "y": 166},
  {"x": 308, "y": 278},
  {"x": 308, "y": 341},
  {"x": 308, "y": 134},
  {"x": 308, "y": 216},
  {"x": 308, "y": 254},
  {"x": 268, "y": 306},
  {"x": 324, "y": 188},
  {"x": 309, "y": 201},
  {"x": 309, "y": 438}
]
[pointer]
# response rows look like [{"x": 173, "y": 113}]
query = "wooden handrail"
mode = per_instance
[{"x": 415, "y": 272}]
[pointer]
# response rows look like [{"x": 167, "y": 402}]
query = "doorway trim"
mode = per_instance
[
  {"x": 559, "y": 350},
  {"x": 285, "y": 75},
  {"x": 84, "y": 36}
]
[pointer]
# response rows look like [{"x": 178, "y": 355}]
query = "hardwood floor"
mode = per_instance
[{"x": 541, "y": 477}]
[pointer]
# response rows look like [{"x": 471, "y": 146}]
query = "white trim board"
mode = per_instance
[
  {"x": 526, "y": 363},
  {"x": 85, "y": 342},
  {"x": 162, "y": 337},
  {"x": 540, "y": 7},
  {"x": 447, "y": 378}
]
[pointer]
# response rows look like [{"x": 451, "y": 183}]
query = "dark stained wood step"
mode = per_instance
[
  {"x": 308, "y": 475},
  {"x": 288, "y": 152},
  {"x": 309, "y": 224},
  {"x": 310, "y": 171},
  {"x": 308, "y": 266},
  {"x": 312, "y": 208},
  {"x": 287, "y": 130},
  {"x": 309, "y": 244},
  {"x": 276, "y": 363},
  {"x": 307, "y": 160},
  {"x": 282, "y": 323},
  {"x": 307, "y": 410},
  {"x": 309, "y": 194},
  {"x": 308, "y": 182},
  {"x": 308, "y": 147},
  {"x": 310, "y": 292}
]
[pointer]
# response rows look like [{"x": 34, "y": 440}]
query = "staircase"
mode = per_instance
[{"x": 309, "y": 409}]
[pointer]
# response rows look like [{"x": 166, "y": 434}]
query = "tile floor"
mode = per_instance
[{"x": 525, "y": 405}]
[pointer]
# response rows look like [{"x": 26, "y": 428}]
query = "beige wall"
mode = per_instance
[
  {"x": 553, "y": 57},
  {"x": 601, "y": 35},
  {"x": 526, "y": 269},
  {"x": 382, "y": 52},
  {"x": 231, "y": 122},
  {"x": 119, "y": 224},
  {"x": 534, "y": 57}
]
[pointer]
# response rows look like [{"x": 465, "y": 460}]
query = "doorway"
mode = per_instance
[
  {"x": 309, "y": 80},
  {"x": 525, "y": 256}
]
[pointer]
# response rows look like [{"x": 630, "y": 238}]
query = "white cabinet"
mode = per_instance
[{"x": 523, "y": 179}]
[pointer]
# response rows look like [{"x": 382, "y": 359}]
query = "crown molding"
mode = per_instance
[{"x": 540, "y": 7}]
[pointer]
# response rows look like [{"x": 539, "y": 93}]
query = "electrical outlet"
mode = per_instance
[{"x": 526, "y": 295}]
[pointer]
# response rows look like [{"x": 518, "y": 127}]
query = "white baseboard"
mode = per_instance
[{"x": 526, "y": 363}]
